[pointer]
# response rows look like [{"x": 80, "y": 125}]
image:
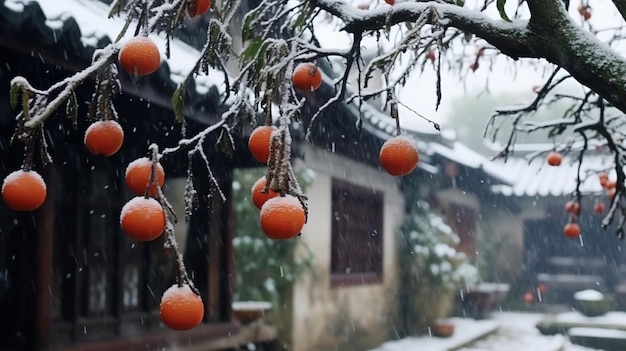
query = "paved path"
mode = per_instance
[
  {"x": 517, "y": 332},
  {"x": 466, "y": 331},
  {"x": 502, "y": 331}
]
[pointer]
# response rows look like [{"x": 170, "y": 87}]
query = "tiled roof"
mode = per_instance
[
  {"x": 73, "y": 29},
  {"x": 537, "y": 178},
  {"x": 79, "y": 27},
  {"x": 437, "y": 144}
]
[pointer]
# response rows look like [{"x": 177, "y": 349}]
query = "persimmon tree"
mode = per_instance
[
  {"x": 277, "y": 36},
  {"x": 564, "y": 40}
]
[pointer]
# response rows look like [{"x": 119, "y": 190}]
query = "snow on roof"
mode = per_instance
[
  {"x": 91, "y": 17},
  {"x": 443, "y": 144},
  {"x": 462, "y": 154},
  {"x": 537, "y": 178},
  {"x": 430, "y": 141}
]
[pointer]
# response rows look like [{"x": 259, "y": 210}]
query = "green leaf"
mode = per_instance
[
  {"x": 25, "y": 106},
  {"x": 13, "y": 95},
  {"x": 460, "y": 3},
  {"x": 500, "y": 6},
  {"x": 246, "y": 29},
  {"x": 568, "y": 111},
  {"x": 177, "y": 103},
  {"x": 251, "y": 50},
  {"x": 260, "y": 57},
  {"x": 304, "y": 15},
  {"x": 116, "y": 7},
  {"x": 129, "y": 20}
]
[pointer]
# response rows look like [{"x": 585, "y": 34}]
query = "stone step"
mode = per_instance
[{"x": 598, "y": 338}]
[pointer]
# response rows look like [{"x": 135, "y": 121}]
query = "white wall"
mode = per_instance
[{"x": 359, "y": 315}]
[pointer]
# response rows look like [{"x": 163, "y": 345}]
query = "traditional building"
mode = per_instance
[{"x": 69, "y": 278}]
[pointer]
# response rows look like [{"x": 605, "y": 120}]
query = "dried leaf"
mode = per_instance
[
  {"x": 13, "y": 95},
  {"x": 71, "y": 108},
  {"x": 178, "y": 103},
  {"x": 225, "y": 143}
]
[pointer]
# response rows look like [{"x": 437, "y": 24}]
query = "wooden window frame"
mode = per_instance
[
  {"x": 73, "y": 327},
  {"x": 368, "y": 212}
]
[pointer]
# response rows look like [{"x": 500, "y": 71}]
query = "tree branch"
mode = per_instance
[
  {"x": 512, "y": 38},
  {"x": 550, "y": 34},
  {"x": 566, "y": 44}
]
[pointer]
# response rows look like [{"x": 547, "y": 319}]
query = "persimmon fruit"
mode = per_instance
[
  {"x": 584, "y": 11},
  {"x": 258, "y": 196},
  {"x": 610, "y": 184},
  {"x": 181, "y": 308},
  {"x": 142, "y": 218},
  {"x": 599, "y": 207},
  {"x": 572, "y": 207},
  {"x": 138, "y": 173},
  {"x": 399, "y": 156},
  {"x": 198, "y": 8},
  {"x": 528, "y": 297},
  {"x": 282, "y": 217},
  {"x": 571, "y": 230},
  {"x": 140, "y": 56},
  {"x": 610, "y": 192},
  {"x": 554, "y": 158},
  {"x": 307, "y": 77},
  {"x": 603, "y": 178},
  {"x": 104, "y": 137},
  {"x": 24, "y": 190},
  {"x": 259, "y": 142},
  {"x": 430, "y": 55}
]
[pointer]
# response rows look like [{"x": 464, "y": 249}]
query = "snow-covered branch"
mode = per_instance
[
  {"x": 512, "y": 38},
  {"x": 550, "y": 34}
]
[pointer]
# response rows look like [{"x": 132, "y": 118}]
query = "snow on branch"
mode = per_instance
[{"x": 512, "y": 38}]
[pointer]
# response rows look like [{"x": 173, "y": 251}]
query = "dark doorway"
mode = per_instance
[{"x": 564, "y": 265}]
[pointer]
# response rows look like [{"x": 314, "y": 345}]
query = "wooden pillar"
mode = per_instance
[
  {"x": 462, "y": 219},
  {"x": 45, "y": 231},
  {"x": 228, "y": 254},
  {"x": 220, "y": 252}
]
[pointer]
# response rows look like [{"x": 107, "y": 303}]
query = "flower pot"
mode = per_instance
[
  {"x": 250, "y": 311},
  {"x": 592, "y": 303},
  {"x": 442, "y": 329}
]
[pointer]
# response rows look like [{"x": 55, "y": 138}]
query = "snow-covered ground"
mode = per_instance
[
  {"x": 465, "y": 331},
  {"x": 517, "y": 332},
  {"x": 503, "y": 331}
]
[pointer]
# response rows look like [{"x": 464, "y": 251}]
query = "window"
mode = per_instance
[
  {"x": 357, "y": 229},
  {"x": 105, "y": 285}
]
